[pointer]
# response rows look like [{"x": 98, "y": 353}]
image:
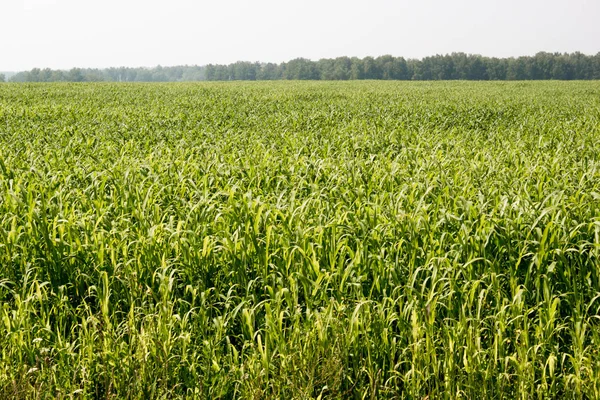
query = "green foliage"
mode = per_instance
[
  {"x": 455, "y": 66},
  {"x": 300, "y": 240}
]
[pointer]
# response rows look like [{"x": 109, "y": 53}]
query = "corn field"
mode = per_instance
[{"x": 300, "y": 240}]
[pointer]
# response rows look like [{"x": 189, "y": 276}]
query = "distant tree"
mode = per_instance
[
  {"x": 424, "y": 69},
  {"x": 582, "y": 69},
  {"x": 191, "y": 74},
  {"x": 596, "y": 67},
  {"x": 157, "y": 74},
  {"x": 402, "y": 68},
  {"x": 301, "y": 69},
  {"x": 130, "y": 74},
  {"x": 57, "y": 76},
  {"x": 243, "y": 70},
  {"x": 438, "y": 67},
  {"x": 45, "y": 75},
  {"x": 93, "y": 75},
  {"x": 477, "y": 70},
  {"x": 411, "y": 66},
  {"x": 174, "y": 74},
  {"x": 532, "y": 69},
  {"x": 19, "y": 77},
  {"x": 75, "y": 75},
  {"x": 461, "y": 65},
  {"x": 326, "y": 67},
  {"x": 356, "y": 69},
  {"x": 222, "y": 73},
  {"x": 416, "y": 69},
  {"x": 370, "y": 68},
  {"x": 269, "y": 71},
  {"x": 496, "y": 68},
  {"x": 2, "y": 78},
  {"x": 210, "y": 72},
  {"x": 447, "y": 70},
  {"x": 545, "y": 64},
  {"x": 561, "y": 69},
  {"x": 516, "y": 69},
  {"x": 33, "y": 75},
  {"x": 144, "y": 75},
  {"x": 341, "y": 68},
  {"x": 391, "y": 68}
]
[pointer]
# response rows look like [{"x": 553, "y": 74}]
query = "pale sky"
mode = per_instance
[{"x": 62, "y": 34}]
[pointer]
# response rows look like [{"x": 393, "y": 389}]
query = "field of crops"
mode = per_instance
[{"x": 300, "y": 240}]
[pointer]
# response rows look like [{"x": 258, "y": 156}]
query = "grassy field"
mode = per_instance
[{"x": 300, "y": 240}]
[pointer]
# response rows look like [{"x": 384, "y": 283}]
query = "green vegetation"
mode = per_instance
[
  {"x": 300, "y": 240},
  {"x": 455, "y": 66}
]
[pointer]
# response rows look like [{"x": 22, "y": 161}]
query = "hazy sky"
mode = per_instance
[{"x": 94, "y": 33}]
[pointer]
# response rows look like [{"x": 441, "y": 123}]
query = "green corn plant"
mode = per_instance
[{"x": 300, "y": 240}]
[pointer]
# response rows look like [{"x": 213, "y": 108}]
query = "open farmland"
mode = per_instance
[{"x": 297, "y": 240}]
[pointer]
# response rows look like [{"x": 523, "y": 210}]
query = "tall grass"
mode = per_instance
[{"x": 300, "y": 240}]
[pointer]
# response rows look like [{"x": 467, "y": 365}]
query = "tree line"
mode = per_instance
[{"x": 563, "y": 66}]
